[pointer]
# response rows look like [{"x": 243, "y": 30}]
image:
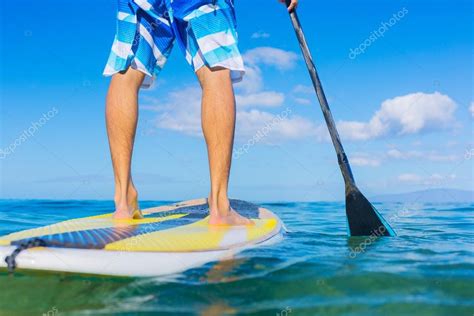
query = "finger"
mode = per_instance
[{"x": 293, "y": 5}]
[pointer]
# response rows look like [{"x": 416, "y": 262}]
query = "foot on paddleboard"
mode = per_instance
[
  {"x": 132, "y": 212},
  {"x": 229, "y": 218},
  {"x": 232, "y": 218}
]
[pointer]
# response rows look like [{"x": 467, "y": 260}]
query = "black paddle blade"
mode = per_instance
[{"x": 363, "y": 218}]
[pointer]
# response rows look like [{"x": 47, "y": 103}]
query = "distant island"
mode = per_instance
[{"x": 429, "y": 196}]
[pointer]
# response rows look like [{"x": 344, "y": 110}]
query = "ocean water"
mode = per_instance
[{"x": 428, "y": 269}]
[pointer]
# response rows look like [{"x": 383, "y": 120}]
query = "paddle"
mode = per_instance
[{"x": 362, "y": 217}]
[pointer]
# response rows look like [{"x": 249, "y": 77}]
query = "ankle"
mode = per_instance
[
  {"x": 122, "y": 205},
  {"x": 130, "y": 197},
  {"x": 132, "y": 194},
  {"x": 220, "y": 205}
]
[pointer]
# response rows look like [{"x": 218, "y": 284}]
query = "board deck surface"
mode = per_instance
[{"x": 169, "y": 239}]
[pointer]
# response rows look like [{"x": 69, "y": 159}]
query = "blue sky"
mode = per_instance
[{"x": 404, "y": 105}]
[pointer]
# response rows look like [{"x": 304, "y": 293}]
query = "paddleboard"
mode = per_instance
[{"x": 169, "y": 239}]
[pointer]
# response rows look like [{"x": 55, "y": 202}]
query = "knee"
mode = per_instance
[
  {"x": 130, "y": 80},
  {"x": 211, "y": 76}
]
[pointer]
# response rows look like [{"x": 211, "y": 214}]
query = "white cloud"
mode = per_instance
[
  {"x": 253, "y": 80},
  {"x": 433, "y": 156},
  {"x": 303, "y": 89},
  {"x": 260, "y": 34},
  {"x": 416, "y": 154},
  {"x": 249, "y": 123},
  {"x": 409, "y": 114},
  {"x": 374, "y": 159},
  {"x": 279, "y": 58},
  {"x": 471, "y": 109},
  {"x": 264, "y": 98},
  {"x": 302, "y": 101},
  {"x": 409, "y": 177},
  {"x": 355, "y": 131},
  {"x": 364, "y": 161},
  {"x": 181, "y": 113},
  {"x": 434, "y": 179},
  {"x": 395, "y": 153}
]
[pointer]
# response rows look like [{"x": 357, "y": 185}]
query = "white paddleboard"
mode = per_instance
[{"x": 170, "y": 239}]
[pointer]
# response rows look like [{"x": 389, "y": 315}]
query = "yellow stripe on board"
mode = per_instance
[
  {"x": 266, "y": 226},
  {"x": 194, "y": 236},
  {"x": 4, "y": 242},
  {"x": 86, "y": 223},
  {"x": 198, "y": 236}
]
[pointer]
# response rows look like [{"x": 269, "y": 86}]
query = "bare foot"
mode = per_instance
[
  {"x": 231, "y": 219},
  {"x": 228, "y": 218},
  {"x": 125, "y": 211}
]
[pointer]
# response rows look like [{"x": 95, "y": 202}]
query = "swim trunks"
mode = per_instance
[{"x": 205, "y": 30}]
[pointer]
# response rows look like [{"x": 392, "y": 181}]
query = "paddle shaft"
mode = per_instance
[{"x": 341, "y": 155}]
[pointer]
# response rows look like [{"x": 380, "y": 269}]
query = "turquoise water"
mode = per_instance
[{"x": 316, "y": 270}]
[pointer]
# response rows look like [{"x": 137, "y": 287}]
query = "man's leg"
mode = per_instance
[
  {"x": 121, "y": 119},
  {"x": 218, "y": 125}
]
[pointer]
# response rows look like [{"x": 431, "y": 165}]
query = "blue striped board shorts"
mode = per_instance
[{"x": 205, "y": 30}]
